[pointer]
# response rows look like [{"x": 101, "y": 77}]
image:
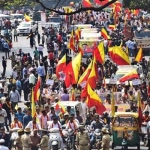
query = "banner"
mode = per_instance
[
  {"x": 121, "y": 107},
  {"x": 43, "y": 17},
  {"x": 88, "y": 45}
]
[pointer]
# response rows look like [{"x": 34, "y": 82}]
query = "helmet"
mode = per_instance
[{"x": 54, "y": 143}]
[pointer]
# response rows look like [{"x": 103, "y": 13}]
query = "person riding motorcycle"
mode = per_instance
[
  {"x": 16, "y": 123},
  {"x": 96, "y": 124},
  {"x": 56, "y": 124}
]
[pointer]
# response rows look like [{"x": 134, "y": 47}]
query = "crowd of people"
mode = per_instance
[{"x": 27, "y": 68}]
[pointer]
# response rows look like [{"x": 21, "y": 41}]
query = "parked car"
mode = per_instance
[{"x": 26, "y": 27}]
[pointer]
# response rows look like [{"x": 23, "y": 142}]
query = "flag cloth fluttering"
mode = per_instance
[
  {"x": 61, "y": 66},
  {"x": 86, "y": 3},
  {"x": 119, "y": 56},
  {"x": 71, "y": 44},
  {"x": 37, "y": 89},
  {"x": 129, "y": 76},
  {"x": 94, "y": 100},
  {"x": 139, "y": 55},
  {"x": 105, "y": 34},
  {"x": 99, "y": 53},
  {"x": 72, "y": 71},
  {"x": 27, "y": 18},
  {"x": 91, "y": 79},
  {"x": 60, "y": 106},
  {"x": 84, "y": 77}
]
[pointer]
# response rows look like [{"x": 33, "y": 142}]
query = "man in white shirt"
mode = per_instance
[
  {"x": 32, "y": 78},
  {"x": 72, "y": 124},
  {"x": 56, "y": 124},
  {"x": 3, "y": 115},
  {"x": 34, "y": 124},
  {"x": 84, "y": 109},
  {"x": 14, "y": 97},
  {"x": 2, "y": 147}
]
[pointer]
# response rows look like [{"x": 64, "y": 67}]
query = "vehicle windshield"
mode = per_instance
[
  {"x": 55, "y": 19},
  {"x": 118, "y": 76},
  {"x": 142, "y": 34},
  {"x": 125, "y": 121},
  {"x": 18, "y": 17},
  {"x": 25, "y": 25}
]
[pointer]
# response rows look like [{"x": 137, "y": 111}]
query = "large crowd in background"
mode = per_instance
[{"x": 27, "y": 69}]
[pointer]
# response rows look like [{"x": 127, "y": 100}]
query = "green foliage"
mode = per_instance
[
  {"x": 8, "y": 4},
  {"x": 137, "y": 4}
]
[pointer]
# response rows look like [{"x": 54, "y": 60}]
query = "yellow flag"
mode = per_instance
[
  {"x": 112, "y": 105},
  {"x": 16, "y": 107},
  {"x": 33, "y": 105}
]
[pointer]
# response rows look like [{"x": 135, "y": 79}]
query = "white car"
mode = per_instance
[{"x": 26, "y": 27}]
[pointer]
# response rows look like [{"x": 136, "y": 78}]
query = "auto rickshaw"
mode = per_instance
[{"x": 125, "y": 130}]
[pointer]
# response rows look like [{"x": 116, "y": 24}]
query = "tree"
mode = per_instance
[
  {"x": 137, "y": 4},
  {"x": 21, "y": 3},
  {"x": 78, "y": 10},
  {"x": 15, "y": 3}
]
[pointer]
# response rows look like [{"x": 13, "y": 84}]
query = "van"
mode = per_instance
[
  {"x": 75, "y": 105},
  {"x": 2, "y": 16},
  {"x": 83, "y": 26},
  {"x": 26, "y": 27},
  {"x": 122, "y": 70}
]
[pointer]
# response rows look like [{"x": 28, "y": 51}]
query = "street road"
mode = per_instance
[{"x": 24, "y": 44}]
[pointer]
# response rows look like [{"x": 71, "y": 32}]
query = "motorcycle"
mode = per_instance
[
  {"x": 69, "y": 139},
  {"x": 14, "y": 135},
  {"x": 54, "y": 139}
]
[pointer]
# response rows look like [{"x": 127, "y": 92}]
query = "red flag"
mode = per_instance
[
  {"x": 94, "y": 100},
  {"x": 86, "y": 3},
  {"x": 36, "y": 90}
]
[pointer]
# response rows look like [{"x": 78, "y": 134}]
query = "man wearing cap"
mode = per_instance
[
  {"x": 44, "y": 141},
  {"x": 105, "y": 143},
  {"x": 26, "y": 139},
  {"x": 35, "y": 138},
  {"x": 18, "y": 140},
  {"x": 83, "y": 139}
]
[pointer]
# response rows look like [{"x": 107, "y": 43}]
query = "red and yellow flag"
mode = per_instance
[
  {"x": 94, "y": 100},
  {"x": 72, "y": 94},
  {"x": 139, "y": 55},
  {"x": 37, "y": 89},
  {"x": 27, "y": 18},
  {"x": 101, "y": 2},
  {"x": 91, "y": 79},
  {"x": 61, "y": 66},
  {"x": 72, "y": 71},
  {"x": 60, "y": 106},
  {"x": 105, "y": 34},
  {"x": 78, "y": 34},
  {"x": 112, "y": 27},
  {"x": 71, "y": 44},
  {"x": 119, "y": 56},
  {"x": 99, "y": 53},
  {"x": 84, "y": 77},
  {"x": 86, "y": 3},
  {"x": 129, "y": 76}
]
